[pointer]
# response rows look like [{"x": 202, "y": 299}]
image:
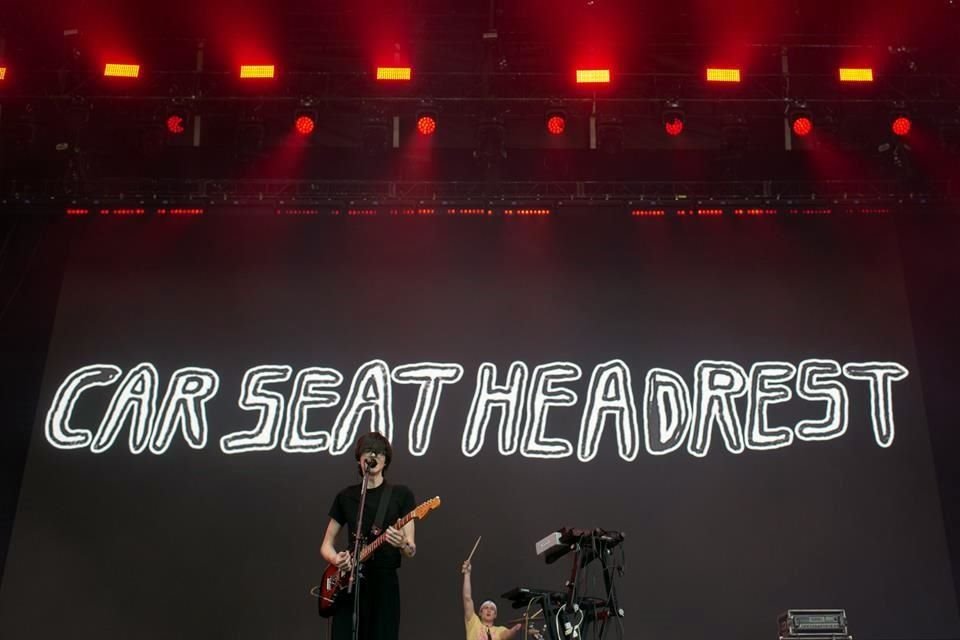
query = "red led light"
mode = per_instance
[
  {"x": 901, "y": 126},
  {"x": 255, "y": 71},
  {"x": 393, "y": 73},
  {"x": 723, "y": 75},
  {"x": 426, "y": 125},
  {"x": 304, "y": 125},
  {"x": 175, "y": 124},
  {"x": 556, "y": 124},
  {"x": 802, "y": 126},
  {"x": 674, "y": 126},
  {"x": 121, "y": 70},
  {"x": 593, "y": 76},
  {"x": 848, "y": 74}
]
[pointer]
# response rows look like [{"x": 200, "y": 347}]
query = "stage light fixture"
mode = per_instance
[
  {"x": 427, "y": 123},
  {"x": 257, "y": 71},
  {"x": 121, "y": 70},
  {"x": 176, "y": 121},
  {"x": 3, "y": 73},
  {"x": 800, "y": 119},
  {"x": 802, "y": 126},
  {"x": 304, "y": 122},
  {"x": 673, "y": 119},
  {"x": 593, "y": 76},
  {"x": 848, "y": 74},
  {"x": 394, "y": 74},
  {"x": 901, "y": 124},
  {"x": 175, "y": 124},
  {"x": 715, "y": 74},
  {"x": 556, "y": 122}
]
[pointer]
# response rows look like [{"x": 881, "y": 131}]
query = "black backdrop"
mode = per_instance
[{"x": 197, "y": 543}]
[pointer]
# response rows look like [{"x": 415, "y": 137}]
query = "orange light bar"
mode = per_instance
[
  {"x": 249, "y": 71},
  {"x": 723, "y": 75},
  {"x": 856, "y": 75},
  {"x": 118, "y": 70},
  {"x": 393, "y": 73},
  {"x": 3, "y": 73},
  {"x": 593, "y": 76}
]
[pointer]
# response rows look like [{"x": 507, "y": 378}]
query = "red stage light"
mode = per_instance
[
  {"x": 175, "y": 124},
  {"x": 3, "y": 73},
  {"x": 802, "y": 126},
  {"x": 304, "y": 125},
  {"x": 556, "y": 124},
  {"x": 901, "y": 125},
  {"x": 674, "y": 126},
  {"x": 426, "y": 125}
]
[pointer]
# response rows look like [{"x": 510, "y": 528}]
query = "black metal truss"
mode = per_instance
[{"x": 354, "y": 193}]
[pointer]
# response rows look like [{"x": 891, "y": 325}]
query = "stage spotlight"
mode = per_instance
[
  {"x": 426, "y": 123},
  {"x": 801, "y": 120},
  {"x": 304, "y": 122},
  {"x": 176, "y": 121},
  {"x": 3, "y": 73},
  {"x": 175, "y": 124},
  {"x": 802, "y": 126},
  {"x": 556, "y": 122},
  {"x": 673, "y": 119},
  {"x": 901, "y": 124}
]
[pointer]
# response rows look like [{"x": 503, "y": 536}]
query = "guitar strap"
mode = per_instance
[{"x": 378, "y": 524}]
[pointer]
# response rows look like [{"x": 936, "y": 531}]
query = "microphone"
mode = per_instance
[{"x": 370, "y": 461}]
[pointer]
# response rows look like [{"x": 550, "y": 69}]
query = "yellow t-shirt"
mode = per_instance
[{"x": 476, "y": 630}]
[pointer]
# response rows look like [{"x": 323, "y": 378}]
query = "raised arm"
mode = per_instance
[{"x": 468, "y": 611}]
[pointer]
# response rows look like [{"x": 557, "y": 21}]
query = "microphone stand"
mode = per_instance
[{"x": 353, "y": 584}]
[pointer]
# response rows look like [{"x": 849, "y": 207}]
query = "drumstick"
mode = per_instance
[{"x": 475, "y": 545}]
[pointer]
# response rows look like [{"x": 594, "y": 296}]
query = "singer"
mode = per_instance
[{"x": 379, "y": 587}]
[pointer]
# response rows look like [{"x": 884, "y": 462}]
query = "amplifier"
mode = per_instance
[{"x": 813, "y": 623}]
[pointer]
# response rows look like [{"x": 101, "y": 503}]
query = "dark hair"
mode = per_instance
[{"x": 376, "y": 443}]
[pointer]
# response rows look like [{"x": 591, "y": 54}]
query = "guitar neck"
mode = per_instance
[{"x": 368, "y": 550}]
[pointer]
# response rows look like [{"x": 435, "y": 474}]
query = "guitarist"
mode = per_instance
[{"x": 379, "y": 617}]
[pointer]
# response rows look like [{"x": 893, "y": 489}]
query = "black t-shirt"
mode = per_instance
[{"x": 347, "y": 503}]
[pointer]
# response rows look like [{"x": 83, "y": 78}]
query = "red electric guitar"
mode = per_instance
[{"x": 334, "y": 581}]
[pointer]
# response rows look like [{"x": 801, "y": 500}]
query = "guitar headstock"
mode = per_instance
[{"x": 428, "y": 506}]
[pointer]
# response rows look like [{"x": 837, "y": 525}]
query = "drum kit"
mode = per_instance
[{"x": 534, "y": 625}]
